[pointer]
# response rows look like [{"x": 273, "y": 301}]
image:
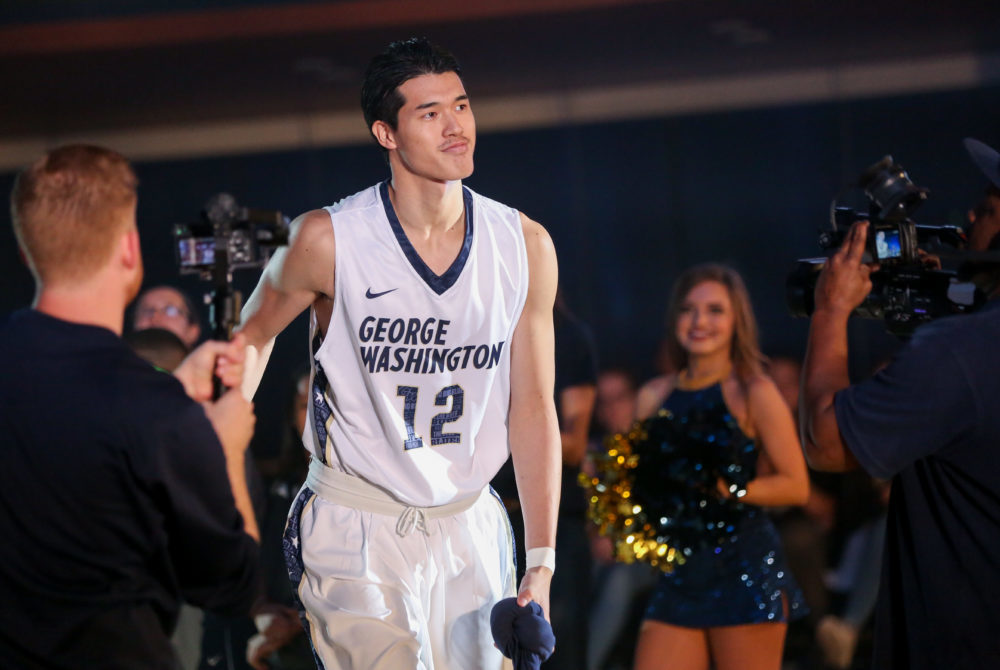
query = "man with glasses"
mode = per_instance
[{"x": 168, "y": 308}]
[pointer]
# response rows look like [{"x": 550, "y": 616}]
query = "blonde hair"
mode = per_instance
[
  {"x": 69, "y": 207},
  {"x": 744, "y": 351}
]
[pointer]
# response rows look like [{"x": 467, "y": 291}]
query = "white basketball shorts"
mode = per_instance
[{"x": 408, "y": 589}]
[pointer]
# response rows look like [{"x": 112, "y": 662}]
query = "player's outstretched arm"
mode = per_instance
[
  {"x": 534, "y": 427},
  {"x": 294, "y": 278}
]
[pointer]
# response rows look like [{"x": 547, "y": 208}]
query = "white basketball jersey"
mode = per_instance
[{"x": 411, "y": 384}]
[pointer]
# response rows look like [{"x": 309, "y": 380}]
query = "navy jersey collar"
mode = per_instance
[{"x": 438, "y": 283}]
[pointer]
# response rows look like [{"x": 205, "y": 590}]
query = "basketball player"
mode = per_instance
[{"x": 432, "y": 342}]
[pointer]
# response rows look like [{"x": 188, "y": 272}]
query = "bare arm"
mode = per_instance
[
  {"x": 576, "y": 406},
  {"x": 841, "y": 287},
  {"x": 233, "y": 420},
  {"x": 294, "y": 278},
  {"x": 787, "y": 482},
  {"x": 651, "y": 396},
  {"x": 231, "y": 415},
  {"x": 534, "y": 428}
]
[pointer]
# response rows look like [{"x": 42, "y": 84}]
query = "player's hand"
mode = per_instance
[
  {"x": 845, "y": 281},
  {"x": 535, "y": 586},
  {"x": 222, "y": 359},
  {"x": 233, "y": 419}
]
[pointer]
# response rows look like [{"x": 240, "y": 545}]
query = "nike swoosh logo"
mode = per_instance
[{"x": 369, "y": 294}]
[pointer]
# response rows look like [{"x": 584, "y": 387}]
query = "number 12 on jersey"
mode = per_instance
[{"x": 438, "y": 436}]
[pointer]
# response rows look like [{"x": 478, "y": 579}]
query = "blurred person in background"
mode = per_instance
[
  {"x": 280, "y": 642},
  {"x": 159, "y": 346},
  {"x": 620, "y": 589},
  {"x": 168, "y": 308}
]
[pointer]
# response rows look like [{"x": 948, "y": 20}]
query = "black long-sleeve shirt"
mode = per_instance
[{"x": 114, "y": 503}]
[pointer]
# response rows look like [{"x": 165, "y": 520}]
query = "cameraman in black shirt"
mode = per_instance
[
  {"x": 929, "y": 422},
  {"x": 120, "y": 493}
]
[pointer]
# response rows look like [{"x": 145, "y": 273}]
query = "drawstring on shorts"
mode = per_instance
[{"x": 344, "y": 489}]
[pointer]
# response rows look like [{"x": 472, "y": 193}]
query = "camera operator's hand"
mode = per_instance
[
  {"x": 223, "y": 359},
  {"x": 845, "y": 281},
  {"x": 929, "y": 261},
  {"x": 233, "y": 420}
]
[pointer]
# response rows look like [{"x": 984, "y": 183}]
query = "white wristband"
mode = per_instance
[{"x": 544, "y": 557}]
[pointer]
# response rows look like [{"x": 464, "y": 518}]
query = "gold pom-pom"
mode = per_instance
[
  {"x": 613, "y": 508},
  {"x": 670, "y": 507}
]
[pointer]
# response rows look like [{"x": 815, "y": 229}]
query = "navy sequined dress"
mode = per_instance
[{"x": 743, "y": 580}]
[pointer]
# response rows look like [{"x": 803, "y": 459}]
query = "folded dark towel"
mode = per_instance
[{"x": 522, "y": 633}]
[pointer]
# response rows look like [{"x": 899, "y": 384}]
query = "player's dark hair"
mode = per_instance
[{"x": 400, "y": 62}]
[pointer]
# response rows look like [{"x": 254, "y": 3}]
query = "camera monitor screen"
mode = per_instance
[
  {"x": 887, "y": 244},
  {"x": 196, "y": 251}
]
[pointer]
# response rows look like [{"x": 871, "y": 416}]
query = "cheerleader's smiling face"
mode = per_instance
[{"x": 705, "y": 321}]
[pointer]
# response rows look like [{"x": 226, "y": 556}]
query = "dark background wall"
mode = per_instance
[{"x": 629, "y": 205}]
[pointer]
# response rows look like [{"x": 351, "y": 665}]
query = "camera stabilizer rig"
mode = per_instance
[{"x": 227, "y": 237}]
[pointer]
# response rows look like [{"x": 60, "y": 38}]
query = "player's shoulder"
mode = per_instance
[
  {"x": 316, "y": 224},
  {"x": 537, "y": 241},
  {"x": 530, "y": 226},
  {"x": 311, "y": 222},
  {"x": 486, "y": 201},
  {"x": 499, "y": 210},
  {"x": 310, "y": 233},
  {"x": 364, "y": 199},
  {"x": 536, "y": 238}
]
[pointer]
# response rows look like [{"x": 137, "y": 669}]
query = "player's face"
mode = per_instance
[
  {"x": 706, "y": 321},
  {"x": 436, "y": 132}
]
